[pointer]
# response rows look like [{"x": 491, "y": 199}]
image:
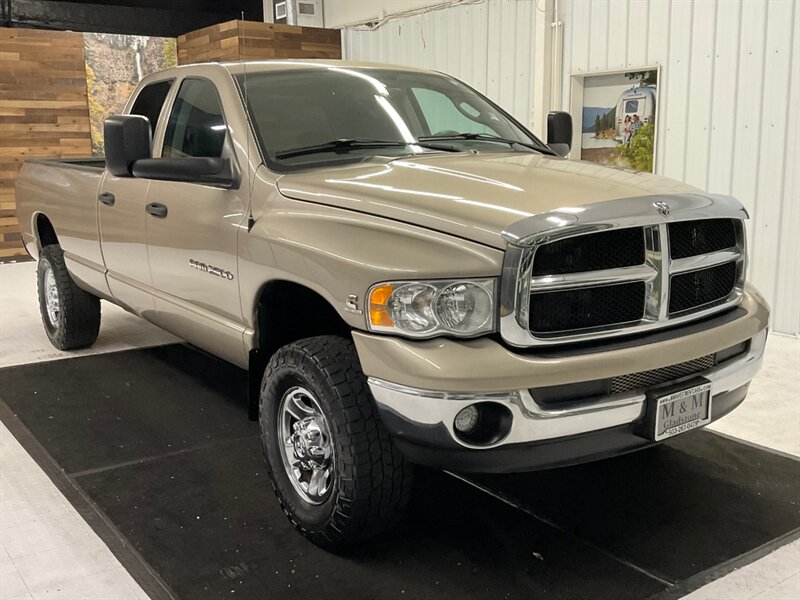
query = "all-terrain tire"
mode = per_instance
[
  {"x": 372, "y": 481},
  {"x": 76, "y": 322}
]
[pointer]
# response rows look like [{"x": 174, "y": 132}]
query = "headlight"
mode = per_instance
[{"x": 428, "y": 308}]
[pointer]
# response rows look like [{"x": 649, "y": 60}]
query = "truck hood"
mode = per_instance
[{"x": 473, "y": 196}]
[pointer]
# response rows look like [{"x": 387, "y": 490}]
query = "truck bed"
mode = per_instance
[
  {"x": 93, "y": 163},
  {"x": 64, "y": 191}
]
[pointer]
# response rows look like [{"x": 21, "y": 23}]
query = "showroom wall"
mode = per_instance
[
  {"x": 240, "y": 40},
  {"x": 341, "y": 13},
  {"x": 729, "y": 76},
  {"x": 728, "y": 119},
  {"x": 489, "y": 45},
  {"x": 44, "y": 111}
]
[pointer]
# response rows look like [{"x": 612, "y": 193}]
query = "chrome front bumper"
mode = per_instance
[{"x": 422, "y": 416}]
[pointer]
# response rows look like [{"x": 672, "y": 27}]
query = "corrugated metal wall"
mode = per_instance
[
  {"x": 728, "y": 114},
  {"x": 728, "y": 105},
  {"x": 488, "y": 45}
]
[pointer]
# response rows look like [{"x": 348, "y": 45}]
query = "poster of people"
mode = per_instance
[
  {"x": 114, "y": 65},
  {"x": 619, "y": 119}
]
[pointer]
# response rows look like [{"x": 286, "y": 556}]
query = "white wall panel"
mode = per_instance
[
  {"x": 726, "y": 83},
  {"x": 788, "y": 280},
  {"x": 699, "y": 95},
  {"x": 728, "y": 100},
  {"x": 488, "y": 45},
  {"x": 340, "y": 13},
  {"x": 727, "y": 113}
]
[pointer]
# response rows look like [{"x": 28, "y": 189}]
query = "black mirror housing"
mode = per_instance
[
  {"x": 190, "y": 169},
  {"x": 559, "y": 132},
  {"x": 127, "y": 139}
]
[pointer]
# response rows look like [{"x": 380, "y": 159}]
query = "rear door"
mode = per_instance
[
  {"x": 121, "y": 213},
  {"x": 192, "y": 238}
]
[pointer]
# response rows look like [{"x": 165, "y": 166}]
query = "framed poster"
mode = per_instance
[{"x": 618, "y": 117}]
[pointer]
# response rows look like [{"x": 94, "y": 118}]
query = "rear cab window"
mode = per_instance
[{"x": 150, "y": 101}]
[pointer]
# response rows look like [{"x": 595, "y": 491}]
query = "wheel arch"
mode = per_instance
[
  {"x": 286, "y": 312},
  {"x": 44, "y": 231}
]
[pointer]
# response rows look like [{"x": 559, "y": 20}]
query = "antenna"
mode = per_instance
[{"x": 250, "y": 219}]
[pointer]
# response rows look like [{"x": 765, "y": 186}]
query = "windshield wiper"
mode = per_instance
[
  {"x": 340, "y": 145},
  {"x": 484, "y": 137},
  {"x": 345, "y": 144}
]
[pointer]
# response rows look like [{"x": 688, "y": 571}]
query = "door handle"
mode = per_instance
[
  {"x": 157, "y": 209},
  {"x": 107, "y": 198}
]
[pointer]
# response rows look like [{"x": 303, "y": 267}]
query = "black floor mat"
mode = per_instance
[
  {"x": 159, "y": 441},
  {"x": 674, "y": 509}
]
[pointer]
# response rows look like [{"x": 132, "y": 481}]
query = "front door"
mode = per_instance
[{"x": 192, "y": 231}]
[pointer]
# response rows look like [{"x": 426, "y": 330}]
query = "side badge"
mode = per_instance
[
  {"x": 210, "y": 269},
  {"x": 351, "y": 304}
]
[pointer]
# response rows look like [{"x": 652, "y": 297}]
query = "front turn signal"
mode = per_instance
[{"x": 378, "y": 310}]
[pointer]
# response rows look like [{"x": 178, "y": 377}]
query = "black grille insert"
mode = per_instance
[
  {"x": 552, "y": 312},
  {"x": 588, "y": 391},
  {"x": 690, "y": 238},
  {"x": 699, "y": 288},
  {"x": 646, "y": 379},
  {"x": 591, "y": 252}
]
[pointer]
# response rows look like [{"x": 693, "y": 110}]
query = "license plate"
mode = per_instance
[{"x": 682, "y": 411}]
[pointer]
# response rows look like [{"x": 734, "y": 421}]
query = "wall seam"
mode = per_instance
[
  {"x": 688, "y": 88},
  {"x": 647, "y": 44},
  {"x": 626, "y": 62},
  {"x": 711, "y": 103},
  {"x": 782, "y": 195},
  {"x": 589, "y": 42},
  {"x": 486, "y": 74},
  {"x": 663, "y": 109},
  {"x": 756, "y": 203},
  {"x": 736, "y": 97},
  {"x": 608, "y": 32}
]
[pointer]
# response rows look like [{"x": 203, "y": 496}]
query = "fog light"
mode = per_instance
[
  {"x": 482, "y": 423},
  {"x": 466, "y": 419}
]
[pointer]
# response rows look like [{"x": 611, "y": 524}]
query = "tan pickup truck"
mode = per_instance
[{"x": 409, "y": 275}]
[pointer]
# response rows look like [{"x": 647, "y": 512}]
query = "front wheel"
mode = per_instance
[
  {"x": 334, "y": 468},
  {"x": 70, "y": 315}
]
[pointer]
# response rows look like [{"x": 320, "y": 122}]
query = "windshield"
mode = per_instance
[{"x": 312, "y": 116}]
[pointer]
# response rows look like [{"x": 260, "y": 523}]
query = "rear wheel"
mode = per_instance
[
  {"x": 70, "y": 315},
  {"x": 334, "y": 468}
]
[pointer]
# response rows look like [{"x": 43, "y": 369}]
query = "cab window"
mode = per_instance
[
  {"x": 196, "y": 126},
  {"x": 150, "y": 101}
]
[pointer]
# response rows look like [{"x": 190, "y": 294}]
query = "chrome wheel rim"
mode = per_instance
[
  {"x": 306, "y": 445},
  {"x": 51, "y": 301}
]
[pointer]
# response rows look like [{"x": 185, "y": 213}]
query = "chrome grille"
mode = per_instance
[
  {"x": 610, "y": 268},
  {"x": 646, "y": 379}
]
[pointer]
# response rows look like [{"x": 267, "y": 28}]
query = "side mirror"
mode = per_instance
[
  {"x": 191, "y": 169},
  {"x": 559, "y": 132},
  {"x": 127, "y": 139}
]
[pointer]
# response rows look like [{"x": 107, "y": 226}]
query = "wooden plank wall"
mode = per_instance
[
  {"x": 44, "y": 111},
  {"x": 250, "y": 40}
]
